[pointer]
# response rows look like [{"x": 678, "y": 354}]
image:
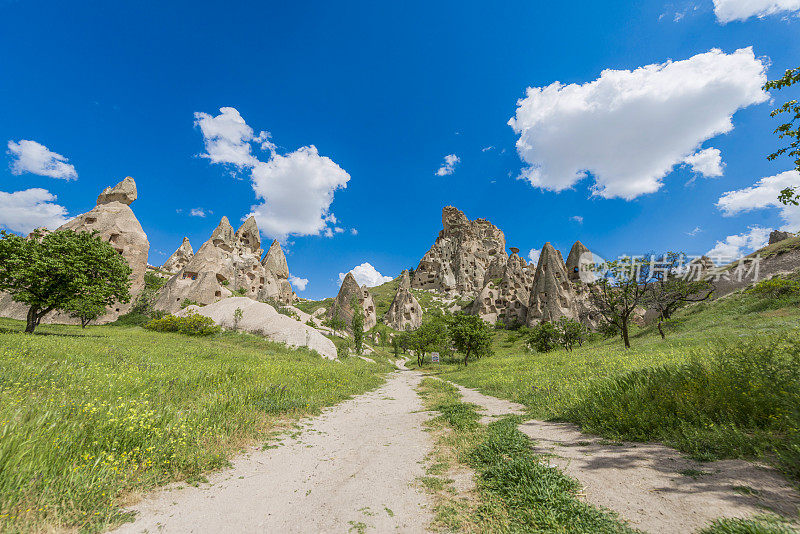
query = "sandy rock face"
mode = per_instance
[
  {"x": 276, "y": 286},
  {"x": 179, "y": 258},
  {"x": 552, "y": 294},
  {"x": 505, "y": 298},
  {"x": 464, "y": 252},
  {"x": 262, "y": 319},
  {"x": 113, "y": 219},
  {"x": 228, "y": 262},
  {"x": 348, "y": 293},
  {"x": 405, "y": 313},
  {"x": 577, "y": 259},
  {"x": 777, "y": 235}
]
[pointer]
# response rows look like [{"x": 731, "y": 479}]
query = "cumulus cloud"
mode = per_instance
[
  {"x": 366, "y": 274},
  {"x": 764, "y": 194},
  {"x": 707, "y": 162},
  {"x": 298, "y": 283},
  {"x": 694, "y": 231},
  {"x": 577, "y": 218},
  {"x": 533, "y": 255},
  {"x": 629, "y": 129},
  {"x": 736, "y": 246},
  {"x": 449, "y": 165},
  {"x": 731, "y": 10},
  {"x": 197, "y": 212},
  {"x": 295, "y": 189},
  {"x": 30, "y": 156},
  {"x": 23, "y": 211}
]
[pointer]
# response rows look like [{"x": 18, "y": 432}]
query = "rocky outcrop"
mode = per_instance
[
  {"x": 350, "y": 293},
  {"x": 578, "y": 259},
  {"x": 179, "y": 258},
  {"x": 262, "y": 319},
  {"x": 405, "y": 313},
  {"x": 228, "y": 263},
  {"x": 505, "y": 298},
  {"x": 777, "y": 235},
  {"x": 276, "y": 285},
  {"x": 113, "y": 219},
  {"x": 461, "y": 257},
  {"x": 552, "y": 294}
]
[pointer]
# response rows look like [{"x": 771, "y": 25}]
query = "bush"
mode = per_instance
[
  {"x": 543, "y": 337},
  {"x": 193, "y": 324},
  {"x": 776, "y": 288}
]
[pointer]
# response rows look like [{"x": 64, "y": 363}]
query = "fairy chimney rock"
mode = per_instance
[
  {"x": 552, "y": 295},
  {"x": 405, "y": 313},
  {"x": 124, "y": 192},
  {"x": 179, "y": 258}
]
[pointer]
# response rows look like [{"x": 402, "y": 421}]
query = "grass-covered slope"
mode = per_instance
[
  {"x": 89, "y": 416},
  {"x": 725, "y": 382}
]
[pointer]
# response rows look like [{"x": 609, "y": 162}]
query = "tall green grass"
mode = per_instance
[{"x": 88, "y": 417}]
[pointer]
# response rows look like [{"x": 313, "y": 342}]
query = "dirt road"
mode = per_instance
[{"x": 352, "y": 469}]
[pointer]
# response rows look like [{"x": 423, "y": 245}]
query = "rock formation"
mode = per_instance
[
  {"x": 179, "y": 258},
  {"x": 262, "y": 319},
  {"x": 777, "y": 235},
  {"x": 350, "y": 293},
  {"x": 552, "y": 295},
  {"x": 578, "y": 259},
  {"x": 405, "y": 313},
  {"x": 229, "y": 262},
  {"x": 505, "y": 298},
  {"x": 113, "y": 219},
  {"x": 462, "y": 255}
]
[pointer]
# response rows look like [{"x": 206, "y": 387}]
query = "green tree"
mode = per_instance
[
  {"x": 543, "y": 337},
  {"x": 619, "y": 291},
  {"x": 471, "y": 336},
  {"x": 86, "y": 310},
  {"x": 62, "y": 270},
  {"x": 790, "y": 130},
  {"x": 431, "y": 336},
  {"x": 570, "y": 332},
  {"x": 357, "y": 325}
]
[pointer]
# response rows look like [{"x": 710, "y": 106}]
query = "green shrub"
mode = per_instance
[
  {"x": 543, "y": 337},
  {"x": 776, "y": 288},
  {"x": 193, "y": 324}
]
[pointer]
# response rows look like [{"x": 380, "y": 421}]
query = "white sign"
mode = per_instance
[{"x": 435, "y": 357}]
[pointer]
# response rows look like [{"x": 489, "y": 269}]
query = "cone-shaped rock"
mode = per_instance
[
  {"x": 405, "y": 313},
  {"x": 579, "y": 256},
  {"x": 458, "y": 261},
  {"x": 179, "y": 258},
  {"x": 506, "y": 299},
  {"x": 551, "y": 295},
  {"x": 124, "y": 192},
  {"x": 276, "y": 286},
  {"x": 349, "y": 294}
]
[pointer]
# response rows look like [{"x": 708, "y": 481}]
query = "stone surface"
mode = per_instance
[
  {"x": 179, "y": 258},
  {"x": 124, "y": 193},
  {"x": 405, "y": 313},
  {"x": 552, "y": 294},
  {"x": 277, "y": 286},
  {"x": 505, "y": 298},
  {"x": 262, "y": 319},
  {"x": 348, "y": 293},
  {"x": 115, "y": 222},
  {"x": 464, "y": 251},
  {"x": 577, "y": 260},
  {"x": 777, "y": 235},
  {"x": 228, "y": 263}
]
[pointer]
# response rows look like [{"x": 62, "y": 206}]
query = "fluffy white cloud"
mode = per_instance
[
  {"x": 366, "y": 274},
  {"x": 296, "y": 189},
  {"x": 577, "y": 218},
  {"x": 197, "y": 212},
  {"x": 449, "y": 165},
  {"x": 707, "y": 162},
  {"x": 764, "y": 194},
  {"x": 23, "y": 211},
  {"x": 533, "y": 255},
  {"x": 36, "y": 158},
  {"x": 694, "y": 231},
  {"x": 736, "y": 246},
  {"x": 730, "y": 10},
  {"x": 630, "y": 128},
  {"x": 298, "y": 283}
]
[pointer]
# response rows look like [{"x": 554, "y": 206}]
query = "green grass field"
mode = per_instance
[
  {"x": 725, "y": 382},
  {"x": 89, "y": 417}
]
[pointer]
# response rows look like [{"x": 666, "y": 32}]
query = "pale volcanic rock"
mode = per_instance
[
  {"x": 179, "y": 258},
  {"x": 577, "y": 260},
  {"x": 505, "y": 298},
  {"x": 405, "y": 313},
  {"x": 351, "y": 293},
  {"x": 552, "y": 295},
  {"x": 276, "y": 285},
  {"x": 464, "y": 252},
  {"x": 124, "y": 193}
]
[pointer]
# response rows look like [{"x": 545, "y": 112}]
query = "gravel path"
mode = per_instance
[{"x": 351, "y": 469}]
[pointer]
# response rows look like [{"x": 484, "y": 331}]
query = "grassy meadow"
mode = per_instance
[
  {"x": 725, "y": 382},
  {"x": 89, "y": 418}
]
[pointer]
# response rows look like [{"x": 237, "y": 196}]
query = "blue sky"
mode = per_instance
[{"x": 384, "y": 92}]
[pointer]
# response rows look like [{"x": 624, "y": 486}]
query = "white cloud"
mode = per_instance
[
  {"x": 35, "y": 158},
  {"x": 736, "y": 246},
  {"x": 366, "y": 274},
  {"x": 353, "y": 231},
  {"x": 764, "y": 194},
  {"x": 296, "y": 189},
  {"x": 533, "y": 255},
  {"x": 730, "y": 10},
  {"x": 630, "y": 128},
  {"x": 695, "y": 231},
  {"x": 298, "y": 283},
  {"x": 707, "y": 162},
  {"x": 487, "y": 148},
  {"x": 577, "y": 218},
  {"x": 197, "y": 212},
  {"x": 448, "y": 167},
  {"x": 23, "y": 211}
]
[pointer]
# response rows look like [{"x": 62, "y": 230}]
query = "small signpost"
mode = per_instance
[{"x": 435, "y": 357}]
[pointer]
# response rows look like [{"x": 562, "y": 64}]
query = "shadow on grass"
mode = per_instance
[{"x": 8, "y": 330}]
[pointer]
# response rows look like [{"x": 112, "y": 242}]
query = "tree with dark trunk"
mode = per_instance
[
  {"x": 471, "y": 336},
  {"x": 619, "y": 291}
]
